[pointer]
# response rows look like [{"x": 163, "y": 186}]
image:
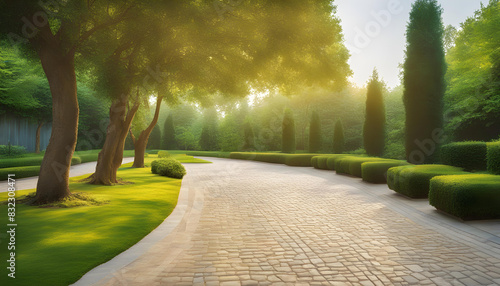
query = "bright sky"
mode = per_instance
[{"x": 374, "y": 32}]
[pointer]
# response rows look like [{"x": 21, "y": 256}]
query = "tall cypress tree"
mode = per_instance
[
  {"x": 209, "y": 134},
  {"x": 249, "y": 137},
  {"x": 168, "y": 136},
  {"x": 154, "y": 141},
  {"x": 338, "y": 138},
  {"x": 424, "y": 84},
  {"x": 374, "y": 127},
  {"x": 288, "y": 129},
  {"x": 315, "y": 133}
]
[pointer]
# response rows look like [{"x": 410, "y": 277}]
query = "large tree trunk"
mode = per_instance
[
  {"x": 141, "y": 142},
  {"x": 53, "y": 181},
  {"x": 37, "y": 138},
  {"x": 111, "y": 155}
]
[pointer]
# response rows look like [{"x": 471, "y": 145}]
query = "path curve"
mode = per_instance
[
  {"x": 250, "y": 223},
  {"x": 74, "y": 171}
]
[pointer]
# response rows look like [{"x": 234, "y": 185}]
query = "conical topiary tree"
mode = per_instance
[
  {"x": 168, "y": 136},
  {"x": 338, "y": 138},
  {"x": 374, "y": 127},
  {"x": 315, "y": 133},
  {"x": 288, "y": 129}
]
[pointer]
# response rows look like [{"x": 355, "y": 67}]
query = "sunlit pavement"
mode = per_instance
[
  {"x": 249, "y": 223},
  {"x": 76, "y": 170}
]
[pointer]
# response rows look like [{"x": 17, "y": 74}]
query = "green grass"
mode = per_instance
[
  {"x": 56, "y": 246},
  {"x": 467, "y": 196}
]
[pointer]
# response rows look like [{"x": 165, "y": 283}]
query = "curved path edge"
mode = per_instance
[{"x": 189, "y": 205}]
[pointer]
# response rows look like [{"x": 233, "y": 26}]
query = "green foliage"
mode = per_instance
[
  {"x": 330, "y": 162},
  {"x": 467, "y": 196},
  {"x": 376, "y": 172},
  {"x": 163, "y": 154},
  {"x": 423, "y": 78},
  {"x": 154, "y": 141},
  {"x": 19, "y": 172},
  {"x": 338, "y": 138},
  {"x": 208, "y": 154},
  {"x": 299, "y": 160},
  {"x": 168, "y": 136},
  {"x": 11, "y": 150},
  {"x": 473, "y": 77},
  {"x": 414, "y": 181},
  {"x": 185, "y": 138},
  {"x": 230, "y": 138},
  {"x": 352, "y": 164},
  {"x": 374, "y": 127},
  {"x": 93, "y": 116},
  {"x": 325, "y": 162},
  {"x": 168, "y": 167},
  {"x": 315, "y": 138},
  {"x": 395, "y": 109},
  {"x": 288, "y": 132},
  {"x": 471, "y": 156},
  {"x": 249, "y": 136},
  {"x": 493, "y": 156},
  {"x": 209, "y": 133}
]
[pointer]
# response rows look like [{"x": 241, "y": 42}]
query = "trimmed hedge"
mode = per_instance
[
  {"x": 314, "y": 162},
  {"x": 163, "y": 154},
  {"x": 376, "y": 172},
  {"x": 330, "y": 162},
  {"x": 342, "y": 165},
  {"x": 494, "y": 158},
  {"x": 352, "y": 164},
  {"x": 324, "y": 162},
  {"x": 299, "y": 160},
  {"x": 169, "y": 168},
  {"x": 467, "y": 196},
  {"x": 88, "y": 157},
  {"x": 470, "y": 156},
  {"x": 414, "y": 181},
  {"x": 20, "y": 172},
  {"x": 20, "y": 162},
  {"x": 208, "y": 154}
]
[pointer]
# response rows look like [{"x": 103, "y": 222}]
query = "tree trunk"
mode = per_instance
[
  {"x": 37, "y": 138},
  {"x": 141, "y": 142},
  {"x": 111, "y": 155},
  {"x": 53, "y": 181}
]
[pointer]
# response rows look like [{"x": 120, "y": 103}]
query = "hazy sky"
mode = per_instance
[{"x": 374, "y": 32}]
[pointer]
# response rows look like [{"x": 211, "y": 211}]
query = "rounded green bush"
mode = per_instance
[
  {"x": 163, "y": 154},
  {"x": 467, "y": 196},
  {"x": 494, "y": 158},
  {"x": 467, "y": 155},
  {"x": 314, "y": 162},
  {"x": 322, "y": 162},
  {"x": 75, "y": 160},
  {"x": 168, "y": 167}
]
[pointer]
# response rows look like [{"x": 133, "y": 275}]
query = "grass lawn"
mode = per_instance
[{"x": 56, "y": 246}]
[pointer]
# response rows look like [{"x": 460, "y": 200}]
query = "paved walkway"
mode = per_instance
[
  {"x": 250, "y": 223},
  {"x": 76, "y": 170}
]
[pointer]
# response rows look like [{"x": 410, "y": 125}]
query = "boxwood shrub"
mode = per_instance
[
  {"x": 494, "y": 158},
  {"x": 20, "y": 172},
  {"x": 208, "y": 154},
  {"x": 376, "y": 172},
  {"x": 352, "y": 164},
  {"x": 321, "y": 162},
  {"x": 168, "y": 167},
  {"x": 314, "y": 162},
  {"x": 163, "y": 154},
  {"x": 414, "y": 181},
  {"x": 474, "y": 196},
  {"x": 75, "y": 160},
  {"x": 342, "y": 165},
  {"x": 393, "y": 177},
  {"x": 470, "y": 156},
  {"x": 330, "y": 162}
]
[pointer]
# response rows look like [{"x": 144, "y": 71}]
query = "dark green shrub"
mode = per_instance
[
  {"x": 355, "y": 164},
  {"x": 299, "y": 160},
  {"x": 168, "y": 167},
  {"x": 91, "y": 157},
  {"x": 414, "y": 182},
  {"x": 330, "y": 162},
  {"x": 468, "y": 155},
  {"x": 393, "y": 176},
  {"x": 467, "y": 196},
  {"x": 163, "y": 154},
  {"x": 338, "y": 138},
  {"x": 322, "y": 162},
  {"x": 314, "y": 162},
  {"x": 19, "y": 162},
  {"x": 20, "y": 172},
  {"x": 242, "y": 155},
  {"x": 374, "y": 127},
  {"x": 342, "y": 165},
  {"x": 288, "y": 129},
  {"x": 494, "y": 158},
  {"x": 12, "y": 150},
  {"x": 376, "y": 172},
  {"x": 216, "y": 154},
  {"x": 75, "y": 160},
  {"x": 315, "y": 139}
]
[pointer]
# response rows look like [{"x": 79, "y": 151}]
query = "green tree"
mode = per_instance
[
  {"x": 374, "y": 128},
  {"x": 288, "y": 132},
  {"x": 185, "y": 138},
  {"x": 472, "y": 99},
  {"x": 249, "y": 137},
  {"x": 338, "y": 138},
  {"x": 424, "y": 70},
  {"x": 315, "y": 138},
  {"x": 230, "y": 138},
  {"x": 168, "y": 137},
  {"x": 209, "y": 132},
  {"x": 154, "y": 141}
]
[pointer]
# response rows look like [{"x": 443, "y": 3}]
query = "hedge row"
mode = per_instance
[
  {"x": 20, "y": 172},
  {"x": 30, "y": 161},
  {"x": 325, "y": 162},
  {"x": 351, "y": 165},
  {"x": 413, "y": 181},
  {"x": 467, "y": 196},
  {"x": 470, "y": 156},
  {"x": 494, "y": 158},
  {"x": 298, "y": 160},
  {"x": 376, "y": 172},
  {"x": 207, "y": 154}
]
